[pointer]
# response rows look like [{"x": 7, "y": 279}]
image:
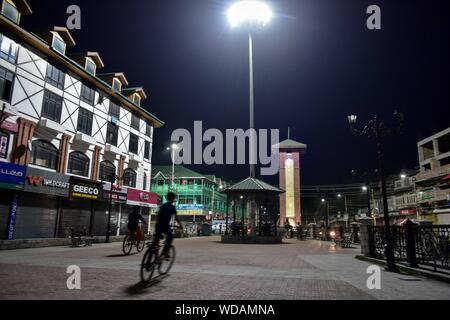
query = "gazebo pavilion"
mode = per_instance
[{"x": 259, "y": 225}]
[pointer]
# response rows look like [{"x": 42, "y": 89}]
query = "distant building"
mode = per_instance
[
  {"x": 199, "y": 196},
  {"x": 433, "y": 180}
]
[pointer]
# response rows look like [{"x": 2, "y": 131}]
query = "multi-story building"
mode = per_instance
[
  {"x": 199, "y": 197},
  {"x": 433, "y": 180},
  {"x": 405, "y": 196},
  {"x": 67, "y": 133}
]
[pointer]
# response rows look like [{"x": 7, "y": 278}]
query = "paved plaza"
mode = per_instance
[{"x": 208, "y": 269}]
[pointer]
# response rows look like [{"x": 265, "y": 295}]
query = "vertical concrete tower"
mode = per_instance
[{"x": 290, "y": 202}]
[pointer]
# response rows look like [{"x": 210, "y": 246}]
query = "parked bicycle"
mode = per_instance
[
  {"x": 153, "y": 259},
  {"x": 132, "y": 240}
]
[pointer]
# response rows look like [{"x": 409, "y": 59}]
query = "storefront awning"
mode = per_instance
[{"x": 142, "y": 198}]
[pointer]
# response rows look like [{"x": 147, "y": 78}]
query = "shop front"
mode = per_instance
[
  {"x": 39, "y": 209},
  {"x": 118, "y": 198},
  {"x": 147, "y": 201},
  {"x": 78, "y": 210},
  {"x": 12, "y": 181}
]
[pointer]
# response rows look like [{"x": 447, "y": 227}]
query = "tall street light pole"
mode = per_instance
[
  {"x": 253, "y": 14},
  {"x": 172, "y": 148},
  {"x": 367, "y": 190},
  {"x": 377, "y": 130}
]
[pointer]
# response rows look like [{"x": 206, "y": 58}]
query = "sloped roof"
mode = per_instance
[
  {"x": 290, "y": 144},
  {"x": 252, "y": 184},
  {"x": 180, "y": 172}
]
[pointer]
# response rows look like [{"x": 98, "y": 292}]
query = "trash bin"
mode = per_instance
[{"x": 206, "y": 229}]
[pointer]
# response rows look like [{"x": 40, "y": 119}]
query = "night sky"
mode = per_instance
[{"x": 314, "y": 64}]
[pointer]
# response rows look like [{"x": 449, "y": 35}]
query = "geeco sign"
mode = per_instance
[{"x": 85, "y": 189}]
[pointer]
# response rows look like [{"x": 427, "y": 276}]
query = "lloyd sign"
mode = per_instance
[
  {"x": 85, "y": 189},
  {"x": 12, "y": 176}
]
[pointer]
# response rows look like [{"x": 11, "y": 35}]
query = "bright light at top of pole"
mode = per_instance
[{"x": 249, "y": 11}]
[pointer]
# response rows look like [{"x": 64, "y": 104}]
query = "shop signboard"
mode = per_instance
[
  {"x": 407, "y": 212},
  {"x": 9, "y": 126},
  {"x": 45, "y": 182},
  {"x": 142, "y": 198},
  {"x": 186, "y": 206},
  {"x": 12, "y": 176},
  {"x": 85, "y": 189},
  {"x": 119, "y": 193}
]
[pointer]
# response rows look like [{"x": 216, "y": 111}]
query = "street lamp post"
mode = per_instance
[
  {"x": 112, "y": 180},
  {"x": 378, "y": 129},
  {"x": 367, "y": 190},
  {"x": 253, "y": 14},
  {"x": 173, "y": 148}
]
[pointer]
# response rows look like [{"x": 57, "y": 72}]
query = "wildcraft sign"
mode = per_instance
[
  {"x": 12, "y": 176},
  {"x": 50, "y": 183},
  {"x": 85, "y": 189}
]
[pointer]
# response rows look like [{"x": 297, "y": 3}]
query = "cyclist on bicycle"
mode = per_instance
[
  {"x": 166, "y": 211},
  {"x": 133, "y": 221}
]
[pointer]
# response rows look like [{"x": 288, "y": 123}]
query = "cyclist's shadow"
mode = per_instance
[{"x": 144, "y": 287}]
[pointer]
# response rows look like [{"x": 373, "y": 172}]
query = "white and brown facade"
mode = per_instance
[{"x": 62, "y": 115}]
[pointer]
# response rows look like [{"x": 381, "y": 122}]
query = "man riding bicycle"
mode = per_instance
[
  {"x": 133, "y": 221},
  {"x": 166, "y": 211}
]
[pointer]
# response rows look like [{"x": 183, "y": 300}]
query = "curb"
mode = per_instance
[{"x": 408, "y": 270}]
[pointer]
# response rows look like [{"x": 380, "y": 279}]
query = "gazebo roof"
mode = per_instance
[{"x": 252, "y": 185}]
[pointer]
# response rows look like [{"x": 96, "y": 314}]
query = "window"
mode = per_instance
[
  {"x": 144, "y": 182},
  {"x": 87, "y": 94},
  {"x": 148, "y": 130},
  {"x": 112, "y": 133},
  {"x": 117, "y": 85},
  {"x": 58, "y": 44},
  {"x": 147, "y": 150},
  {"x": 114, "y": 110},
  {"x": 8, "y": 49},
  {"x": 134, "y": 142},
  {"x": 135, "y": 121},
  {"x": 52, "y": 106},
  {"x": 44, "y": 154},
  {"x": 78, "y": 164},
  {"x": 10, "y": 11},
  {"x": 4, "y": 144},
  {"x": 91, "y": 67},
  {"x": 129, "y": 178},
  {"x": 107, "y": 171},
  {"x": 137, "y": 99},
  {"x": 55, "y": 77},
  {"x": 6, "y": 84},
  {"x": 85, "y": 121}
]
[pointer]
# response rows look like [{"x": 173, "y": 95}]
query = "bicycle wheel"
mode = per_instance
[
  {"x": 127, "y": 245},
  {"x": 140, "y": 245},
  {"x": 148, "y": 265},
  {"x": 165, "y": 264}
]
